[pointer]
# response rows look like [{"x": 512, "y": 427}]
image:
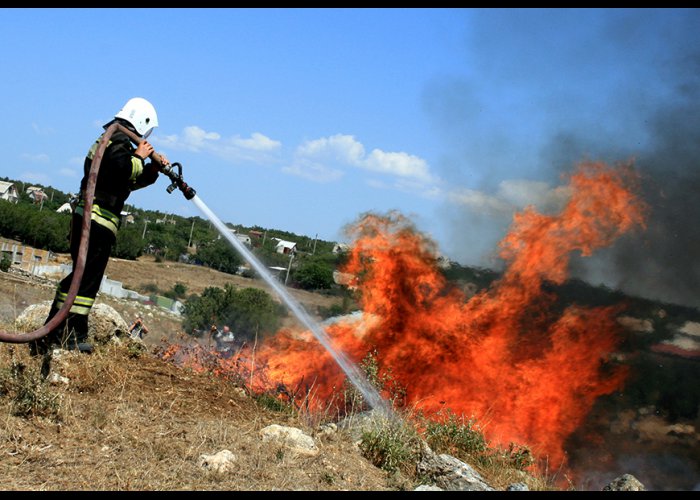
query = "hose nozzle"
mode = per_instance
[{"x": 177, "y": 181}]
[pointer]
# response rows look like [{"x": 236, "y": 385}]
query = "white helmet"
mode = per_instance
[{"x": 141, "y": 114}]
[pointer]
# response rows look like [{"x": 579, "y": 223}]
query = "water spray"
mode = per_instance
[
  {"x": 371, "y": 396},
  {"x": 369, "y": 393}
]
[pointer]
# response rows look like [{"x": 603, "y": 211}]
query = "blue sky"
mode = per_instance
[{"x": 303, "y": 119}]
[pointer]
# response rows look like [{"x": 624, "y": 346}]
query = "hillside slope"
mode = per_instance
[{"x": 134, "y": 422}]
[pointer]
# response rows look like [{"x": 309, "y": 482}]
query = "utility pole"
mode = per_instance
[
  {"x": 144, "y": 228},
  {"x": 291, "y": 258},
  {"x": 189, "y": 243},
  {"x": 314, "y": 252}
]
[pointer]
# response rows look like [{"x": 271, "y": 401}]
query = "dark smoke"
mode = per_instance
[
  {"x": 656, "y": 85},
  {"x": 651, "y": 118},
  {"x": 661, "y": 262}
]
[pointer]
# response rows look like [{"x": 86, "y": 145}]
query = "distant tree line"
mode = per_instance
[{"x": 171, "y": 237}]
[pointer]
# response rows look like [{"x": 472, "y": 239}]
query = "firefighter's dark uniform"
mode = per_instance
[{"x": 121, "y": 172}]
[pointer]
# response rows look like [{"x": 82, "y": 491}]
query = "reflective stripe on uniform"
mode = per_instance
[
  {"x": 102, "y": 216},
  {"x": 136, "y": 167},
  {"x": 136, "y": 162},
  {"x": 81, "y": 305},
  {"x": 93, "y": 148}
]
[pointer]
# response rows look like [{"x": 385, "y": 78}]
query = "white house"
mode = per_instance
[
  {"x": 36, "y": 193},
  {"x": 285, "y": 247},
  {"x": 341, "y": 248},
  {"x": 65, "y": 208},
  {"x": 245, "y": 239},
  {"x": 8, "y": 192},
  {"x": 127, "y": 217}
]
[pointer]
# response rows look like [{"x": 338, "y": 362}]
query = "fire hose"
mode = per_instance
[{"x": 177, "y": 182}]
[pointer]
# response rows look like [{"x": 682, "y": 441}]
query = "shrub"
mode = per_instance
[
  {"x": 391, "y": 445},
  {"x": 247, "y": 311},
  {"x": 455, "y": 436},
  {"x": 314, "y": 275},
  {"x": 5, "y": 262},
  {"x": 179, "y": 289},
  {"x": 29, "y": 394}
]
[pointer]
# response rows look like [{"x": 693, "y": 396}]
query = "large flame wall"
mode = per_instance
[{"x": 526, "y": 368}]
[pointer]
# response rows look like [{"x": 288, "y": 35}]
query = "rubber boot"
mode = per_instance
[
  {"x": 75, "y": 337},
  {"x": 45, "y": 344}
]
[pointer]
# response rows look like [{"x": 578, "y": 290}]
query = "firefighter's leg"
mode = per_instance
[
  {"x": 75, "y": 334},
  {"x": 72, "y": 333},
  {"x": 52, "y": 339}
]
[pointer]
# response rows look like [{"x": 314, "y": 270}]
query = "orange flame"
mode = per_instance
[{"x": 528, "y": 370}]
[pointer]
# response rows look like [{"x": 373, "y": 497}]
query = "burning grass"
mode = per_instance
[
  {"x": 526, "y": 367},
  {"x": 391, "y": 444},
  {"x": 517, "y": 371}
]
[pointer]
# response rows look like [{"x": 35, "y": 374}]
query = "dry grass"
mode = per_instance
[
  {"x": 135, "y": 422},
  {"x": 125, "y": 423}
]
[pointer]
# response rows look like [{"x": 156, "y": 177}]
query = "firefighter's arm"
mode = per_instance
[
  {"x": 150, "y": 170},
  {"x": 123, "y": 160}
]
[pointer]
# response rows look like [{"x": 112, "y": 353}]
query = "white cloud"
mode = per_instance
[
  {"x": 257, "y": 142},
  {"x": 345, "y": 151},
  {"x": 41, "y": 130},
  {"x": 257, "y": 148},
  {"x": 35, "y": 158},
  {"x": 416, "y": 187},
  {"x": 479, "y": 201},
  {"x": 35, "y": 177},
  {"x": 399, "y": 164},
  {"x": 68, "y": 172},
  {"x": 513, "y": 195},
  {"x": 521, "y": 193},
  {"x": 192, "y": 139},
  {"x": 338, "y": 148},
  {"x": 313, "y": 171}
]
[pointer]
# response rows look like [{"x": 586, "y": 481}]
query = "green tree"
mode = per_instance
[
  {"x": 313, "y": 274},
  {"x": 5, "y": 262},
  {"x": 248, "y": 311},
  {"x": 252, "y": 312},
  {"x": 220, "y": 255},
  {"x": 129, "y": 243}
]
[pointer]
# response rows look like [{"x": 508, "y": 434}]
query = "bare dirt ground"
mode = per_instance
[{"x": 136, "y": 422}]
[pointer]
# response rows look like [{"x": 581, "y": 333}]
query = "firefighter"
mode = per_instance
[{"x": 123, "y": 169}]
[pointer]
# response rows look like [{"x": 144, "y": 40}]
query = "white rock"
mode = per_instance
[
  {"x": 290, "y": 437},
  {"x": 222, "y": 461}
]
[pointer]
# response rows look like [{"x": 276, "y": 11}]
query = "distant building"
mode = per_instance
[
  {"x": 285, "y": 247},
  {"x": 341, "y": 248},
  {"x": 64, "y": 209},
  {"x": 165, "y": 220},
  {"x": 8, "y": 192},
  {"x": 37, "y": 194},
  {"x": 127, "y": 217},
  {"x": 245, "y": 239}
]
